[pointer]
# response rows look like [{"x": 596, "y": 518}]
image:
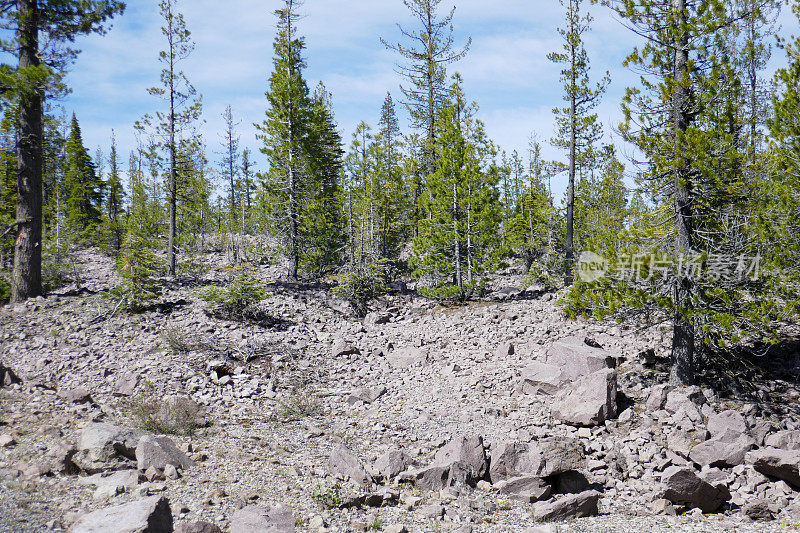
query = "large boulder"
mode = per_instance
[
  {"x": 150, "y": 515},
  {"x": 590, "y": 401},
  {"x": 657, "y": 397},
  {"x": 727, "y": 449},
  {"x": 391, "y": 464},
  {"x": 158, "y": 452},
  {"x": 727, "y": 421},
  {"x": 103, "y": 446},
  {"x": 438, "y": 477},
  {"x": 263, "y": 519},
  {"x": 685, "y": 402},
  {"x": 577, "y": 358},
  {"x": 544, "y": 378},
  {"x": 542, "y": 458},
  {"x": 8, "y": 377},
  {"x": 684, "y": 487},
  {"x": 567, "y": 508},
  {"x": 774, "y": 462},
  {"x": 528, "y": 489},
  {"x": 788, "y": 439},
  {"x": 343, "y": 462},
  {"x": 467, "y": 450}
]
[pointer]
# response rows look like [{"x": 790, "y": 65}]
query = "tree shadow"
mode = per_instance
[{"x": 759, "y": 374}]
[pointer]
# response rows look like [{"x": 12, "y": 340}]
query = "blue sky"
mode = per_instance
[{"x": 506, "y": 71}]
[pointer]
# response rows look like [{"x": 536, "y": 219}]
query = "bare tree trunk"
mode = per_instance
[
  {"x": 27, "y": 276},
  {"x": 682, "y": 370},
  {"x": 173, "y": 186},
  {"x": 294, "y": 257},
  {"x": 569, "y": 274}
]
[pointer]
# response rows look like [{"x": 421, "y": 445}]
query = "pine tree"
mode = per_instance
[
  {"x": 782, "y": 190},
  {"x": 8, "y": 195},
  {"x": 323, "y": 221},
  {"x": 360, "y": 194},
  {"x": 531, "y": 228},
  {"x": 42, "y": 31},
  {"x": 83, "y": 188},
  {"x": 578, "y": 128},
  {"x": 301, "y": 190},
  {"x": 393, "y": 200},
  {"x": 687, "y": 121},
  {"x": 247, "y": 187},
  {"x": 460, "y": 239},
  {"x": 183, "y": 106},
  {"x": 431, "y": 49},
  {"x": 114, "y": 223},
  {"x": 230, "y": 162}
]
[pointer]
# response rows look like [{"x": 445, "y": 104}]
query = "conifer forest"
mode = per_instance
[{"x": 398, "y": 324}]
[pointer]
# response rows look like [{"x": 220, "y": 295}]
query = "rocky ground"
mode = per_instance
[{"x": 497, "y": 416}]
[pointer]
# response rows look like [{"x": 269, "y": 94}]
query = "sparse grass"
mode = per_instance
[
  {"x": 171, "y": 416},
  {"x": 330, "y": 498},
  {"x": 177, "y": 341},
  {"x": 297, "y": 405},
  {"x": 376, "y": 525}
]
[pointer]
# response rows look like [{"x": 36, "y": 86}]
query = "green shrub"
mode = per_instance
[
  {"x": 5, "y": 291},
  {"x": 138, "y": 267},
  {"x": 361, "y": 284},
  {"x": 328, "y": 498},
  {"x": 239, "y": 298}
]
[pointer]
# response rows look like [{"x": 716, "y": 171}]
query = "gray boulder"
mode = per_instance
[
  {"x": 684, "y": 487},
  {"x": 685, "y": 402},
  {"x": 590, "y": 401},
  {"x": 774, "y": 462},
  {"x": 150, "y": 515},
  {"x": 727, "y": 449},
  {"x": 117, "y": 483},
  {"x": 658, "y": 397},
  {"x": 567, "y": 508},
  {"x": 727, "y": 421},
  {"x": 391, "y": 464},
  {"x": 528, "y": 489},
  {"x": 366, "y": 394},
  {"x": 344, "y": 462},
  {"x": 438, "y": 477},
  {"x": 577, "y": 358},
  {"x": 104, "y": 446},
  {"x": 76, "y": 395},
  {"x": 342, "y": 347},
  {"x": 788, "y": 439},
  {"x": 158, "y": 452},
  {"x": 467, "y": 450},
  {"x": 544, "y": 378},
  {"x": 542, "y": 458},
  {"x": 263, "y": 519}
]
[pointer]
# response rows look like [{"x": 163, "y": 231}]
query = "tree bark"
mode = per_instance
[
  {"x": 173, "y": 186},
  {"x": 569, "y": 274},
  {"x": 294, "y": 258},
  {"x": 27, "y": 275},
  {"x": 682, "y": 358}
]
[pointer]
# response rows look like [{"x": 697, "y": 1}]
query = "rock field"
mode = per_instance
[{"x": 497, "y": 416}]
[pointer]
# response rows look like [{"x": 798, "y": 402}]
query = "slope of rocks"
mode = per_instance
[{"x": 497, "y": 416}]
